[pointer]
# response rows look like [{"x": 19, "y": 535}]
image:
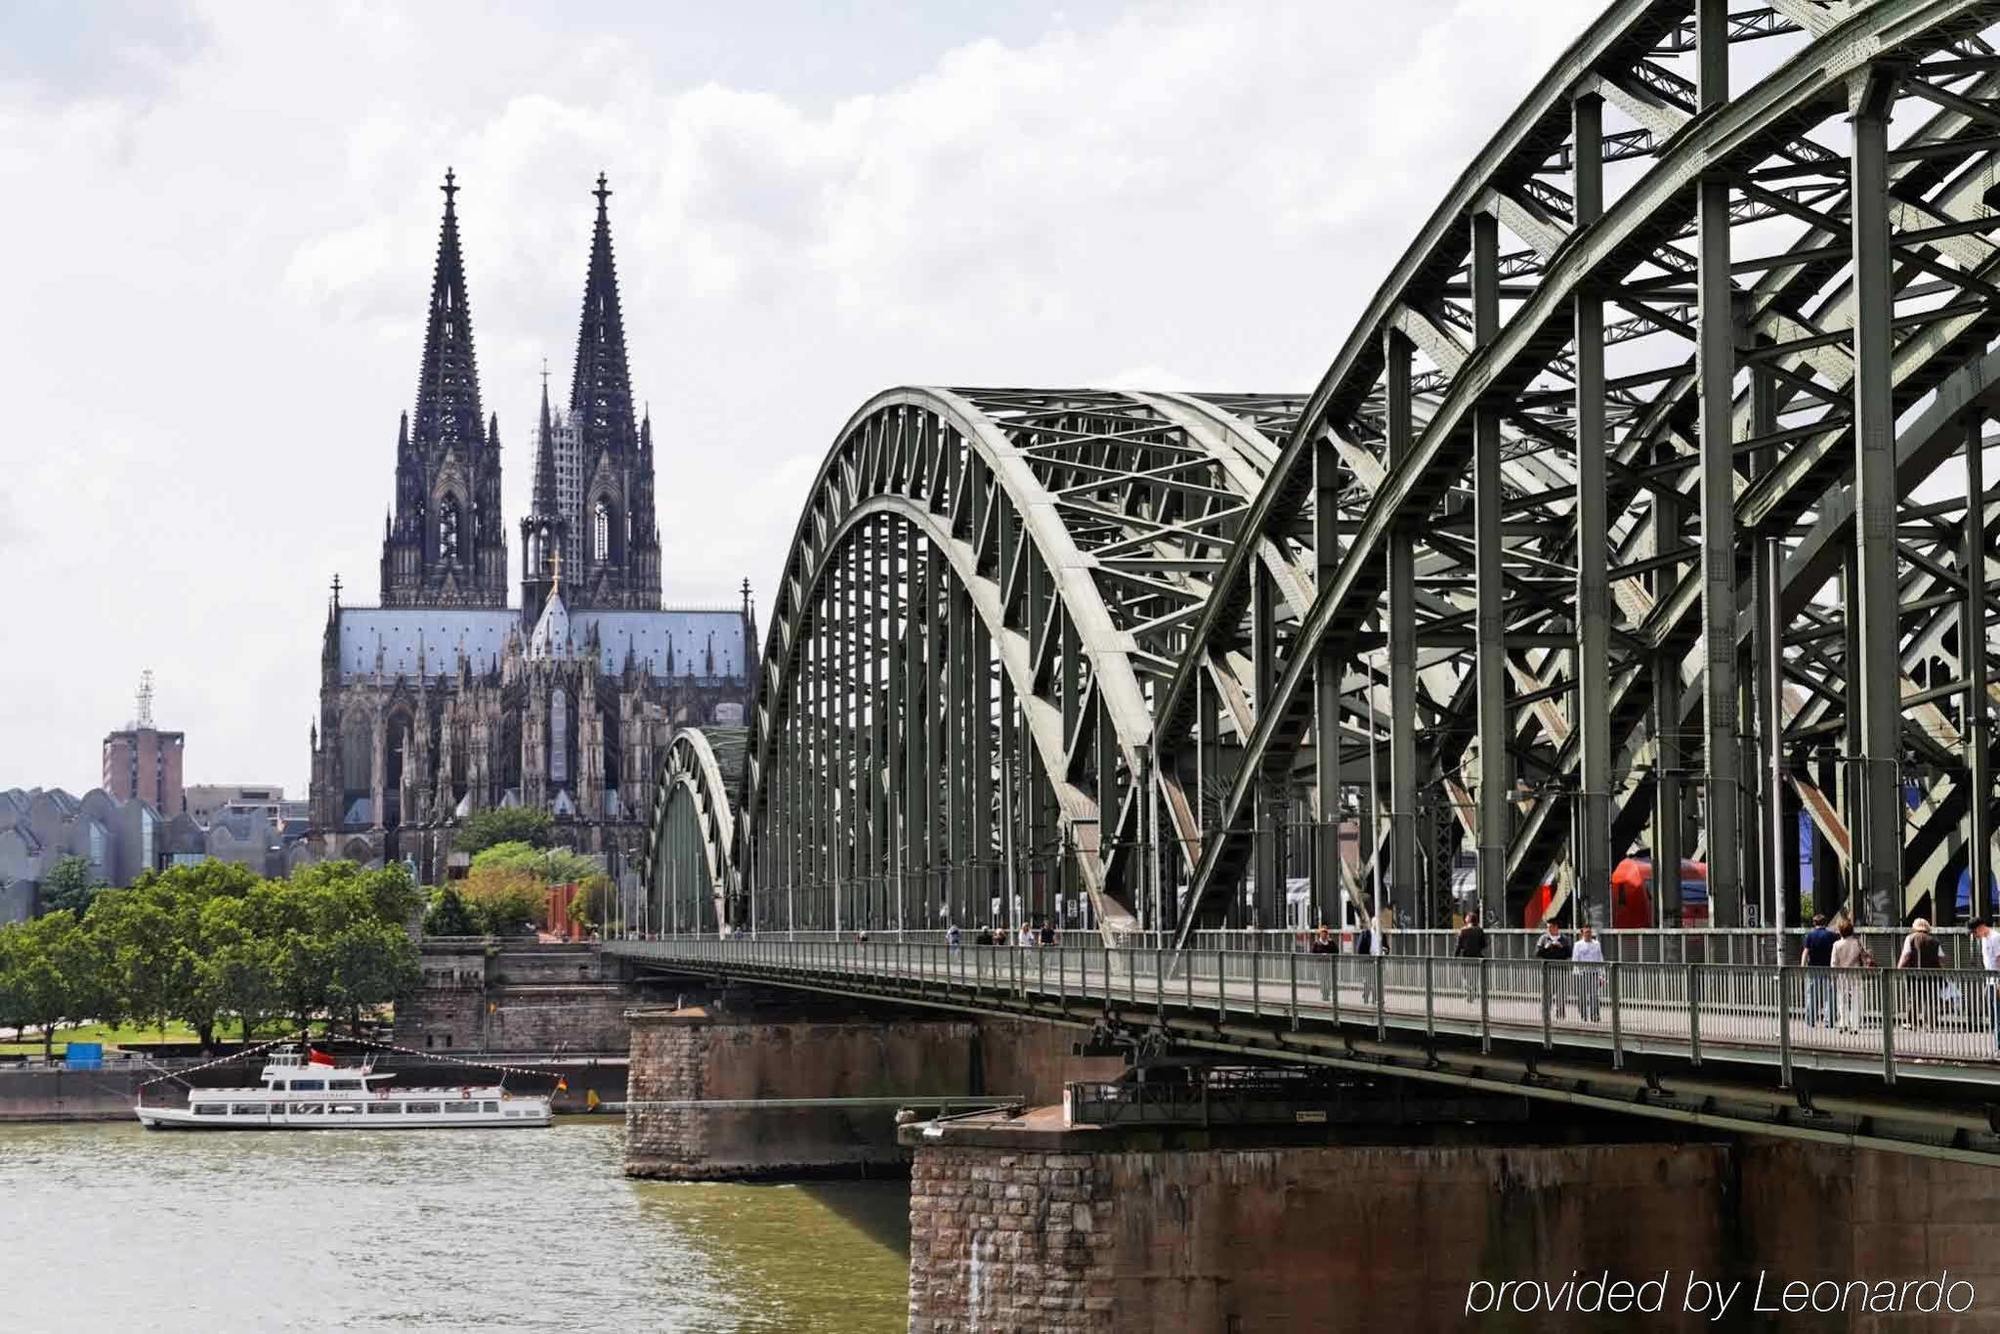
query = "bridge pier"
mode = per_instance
[
  {"x": 744, "y": 1046},
  {"x": 1031, "y": 1224}
]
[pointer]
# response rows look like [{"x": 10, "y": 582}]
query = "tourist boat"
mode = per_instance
[{"x": 310, "y": 1090}]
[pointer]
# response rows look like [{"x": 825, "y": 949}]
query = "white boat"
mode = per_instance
[{"x": 307, "y": 1090}]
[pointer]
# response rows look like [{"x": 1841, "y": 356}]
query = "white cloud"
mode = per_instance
[{"x": 220, "y": 311}]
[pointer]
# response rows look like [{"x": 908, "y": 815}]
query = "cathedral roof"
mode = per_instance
[
  {"x": 551, "y": 638},
  {"x": 663, "y": 644}
]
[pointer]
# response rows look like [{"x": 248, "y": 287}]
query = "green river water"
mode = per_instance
[{"x": 109, "y": 1227}]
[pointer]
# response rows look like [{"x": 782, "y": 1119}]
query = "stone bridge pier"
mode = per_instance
[
  {"x": 1029, "y": 1224},
  {"x": 743, "y": 1045}
]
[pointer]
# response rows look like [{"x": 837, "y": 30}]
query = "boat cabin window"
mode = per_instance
[
  {"x": 209, "y": 1109},
  {"x": 247, "y": 1109},
  {"x": 308, "y": 1085},
  {"x": 344, "y": 1085},
  {"x": 308, "y": 1108},
  {"x": 489, "y": 1107},
  {"x": 344, "y": 1109},
  {"x": 384, "y": 1108},
  {"x": 422, "y": 1107}
]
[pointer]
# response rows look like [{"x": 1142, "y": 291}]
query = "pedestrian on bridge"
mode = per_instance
[
  {"x": 1822, "y": 1006},
  {"x": 1370, "y": 941},
  {"x": 1323, "y": 943},
  {"x": 1552, "y": 948},
  {"x": 1989, "y": 959},
  {"x": 1589, "y": 954},
  {"x": 1850, "y": 956},
  {"x": 1470, "y": 947},
  {"x": 1921, "y": 995}
]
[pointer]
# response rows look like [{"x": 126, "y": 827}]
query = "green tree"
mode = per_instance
[
  {"x": 391, "y": 895},
  {"x": 503, "y": 899},
  {"x": 448, "y": 915},
  {"x": 552, "y": 866},
  {"x": 593, "y": 902},
  {"x": 51, "y": 973},
  {"x": 69, "y": 886},
  {"x": 507, "y": 824},
  {"x": 241, "y": 964}
]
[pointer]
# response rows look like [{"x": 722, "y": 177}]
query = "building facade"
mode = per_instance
[
  {"x": 143, "y": 763},
  {"x": 442, "y": 701}
]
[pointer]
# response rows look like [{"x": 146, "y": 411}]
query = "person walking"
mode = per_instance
[
  {"x": 1588, "y": 955},
  {"x": 1552, "y": 948},
  {"x": 1921, "y": 954},
  {"x": 1469, "y": 949},
  {"x": 952, "y": 937},
  {"x": 1372, "y": 943},
  {"x": 1988, "y": 941},
  {"x": 1323, "y": 944},
  {"x": 1817, "y": 958},
  {"x": 1850, "y": 956}
]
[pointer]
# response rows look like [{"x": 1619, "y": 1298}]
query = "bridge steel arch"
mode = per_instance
[
  {"x": 983, "y": 593},
  {"x": 689, "y": 871},
  {"x": 1579, "y": 496}
]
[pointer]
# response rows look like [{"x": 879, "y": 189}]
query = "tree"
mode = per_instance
[
  {"x": 448, "y": 915},
  {"x": 392, "y": 896},
  {"x": 240, "y": 965},
  {"x": 503, "y": 899},
  {"x": 552, "y": 866},
  {"x": 593, "y": 902},
  {"x": 50, "y": 972},
  {"x": 506, "y": 824},
  {"x": 69, "y": 886}
]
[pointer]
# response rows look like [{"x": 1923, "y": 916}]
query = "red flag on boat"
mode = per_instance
[{"x": 314, "y": 1056}]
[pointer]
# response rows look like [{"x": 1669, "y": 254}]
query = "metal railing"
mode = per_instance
[
  {"x": 1720, "y": 945},
  {"x": 1941, "y": 1022}
]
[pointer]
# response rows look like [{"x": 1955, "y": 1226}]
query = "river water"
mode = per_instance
[{"x": 113, "y": 1227}]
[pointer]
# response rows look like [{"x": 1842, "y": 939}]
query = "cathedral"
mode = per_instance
[{"x": 442, "y": 700}]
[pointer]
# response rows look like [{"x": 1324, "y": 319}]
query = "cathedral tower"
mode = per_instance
[
  {"x": 618, "y": 555},
  {"x": 445, "y": 545}
]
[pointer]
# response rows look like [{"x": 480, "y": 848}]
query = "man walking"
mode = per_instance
[
  {"x": 1552, "y": 948},
  {"x": 1989, "y": 959},
  {"x": 1817, "y": 958},
  {"x": 1369, "y": 941},
  {"x": 1589, "y": 953},
  {"x": 1469, "y": 949}
]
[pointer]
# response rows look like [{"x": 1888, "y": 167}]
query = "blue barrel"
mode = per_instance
[{"x": 84, "y": 1056}]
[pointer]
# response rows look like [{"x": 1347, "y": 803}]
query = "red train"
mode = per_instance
[{"x": 1632, "y": 895}]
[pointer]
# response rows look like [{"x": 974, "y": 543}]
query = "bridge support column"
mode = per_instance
[
  {"x": 1030, "y": 1225},
  {"x": 753, "y": 1046}
]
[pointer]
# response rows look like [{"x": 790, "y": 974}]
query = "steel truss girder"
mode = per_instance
[
  {"x": 1768, "y": 121},
  {"x": 1073, "y": 533},
  {"x": 691, "y": 795}
]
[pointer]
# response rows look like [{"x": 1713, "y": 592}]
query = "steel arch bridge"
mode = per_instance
[{"x": 1631, "y": 517}]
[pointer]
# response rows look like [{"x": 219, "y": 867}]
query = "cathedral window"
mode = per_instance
[
  {"x": 558, "y": 737},
  {"x": 600, "y": 532},
  {"x": 448, "y": 530}
]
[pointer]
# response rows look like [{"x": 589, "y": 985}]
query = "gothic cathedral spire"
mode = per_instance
[
  {"x": 619, "y": 559},
  {"x": 446, "y": 545}
]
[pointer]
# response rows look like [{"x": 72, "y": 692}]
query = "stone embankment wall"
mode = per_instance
[
  {"x": 50, "y": 1093},
  {"x": 516, "y": 997}
]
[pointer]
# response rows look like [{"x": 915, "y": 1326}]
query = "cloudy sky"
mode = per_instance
[{"x": 221, "y": 219}]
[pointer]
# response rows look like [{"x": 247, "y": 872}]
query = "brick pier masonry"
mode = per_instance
[
  {"x": 741, "y": 1047},
  {"x": 1027, "y": 1224}
]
